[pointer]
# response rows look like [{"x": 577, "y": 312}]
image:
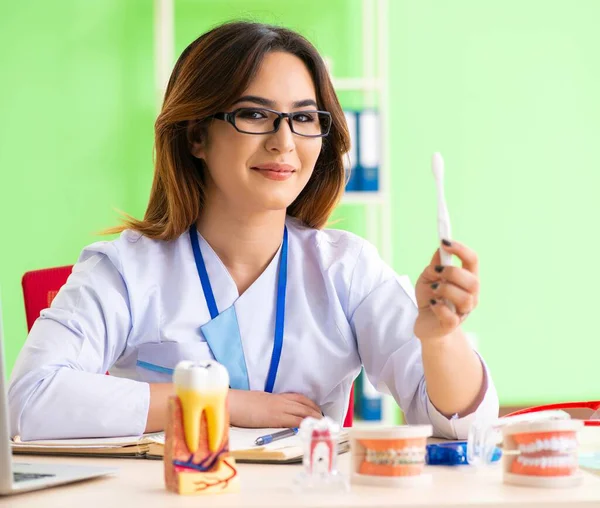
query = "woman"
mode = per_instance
[{"x": 231, "y": 262}]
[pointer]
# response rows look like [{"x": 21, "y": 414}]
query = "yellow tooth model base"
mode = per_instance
[{"x": 180, "y": 476}]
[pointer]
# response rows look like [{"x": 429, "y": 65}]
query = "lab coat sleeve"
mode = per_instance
[
  {"x": 382, "y": 310},
  {"x": 58, "y": 386}
]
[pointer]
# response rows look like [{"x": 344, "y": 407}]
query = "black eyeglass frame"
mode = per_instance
[{"x": 230, "y": 118}]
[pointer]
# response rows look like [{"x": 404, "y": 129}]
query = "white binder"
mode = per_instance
[{"x": 369, "y": 148}]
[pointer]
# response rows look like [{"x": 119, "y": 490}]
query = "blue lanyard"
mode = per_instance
[{"x": 281, "y": 289}]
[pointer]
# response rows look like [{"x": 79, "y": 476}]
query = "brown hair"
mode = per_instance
[{"x": 210, "y": 74}]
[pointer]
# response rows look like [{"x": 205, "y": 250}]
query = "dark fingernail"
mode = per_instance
[
  {"x": 447, "y": 243},
  {"x": 435, "y": 285},
  {"x": 439, "y": 268},
  {"x": 432, "y": 301}
]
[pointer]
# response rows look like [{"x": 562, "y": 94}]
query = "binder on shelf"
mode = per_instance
[
  {"x": 351, "y": 161},
  {"x": 368, "y": 400},
  {"x": 369, "y": 149}
]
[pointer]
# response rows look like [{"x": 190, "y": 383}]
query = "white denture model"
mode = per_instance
[
  {"x": 444, "y": 228},
  {"x": 484, "y": 436},
  {"x": 542, "y": 454}
]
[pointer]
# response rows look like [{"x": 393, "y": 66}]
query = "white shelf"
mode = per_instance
[
  {"x": 373, "y": 85},
  {"x": 359, "y": 84},
  {"x": 362, "y": 197}
]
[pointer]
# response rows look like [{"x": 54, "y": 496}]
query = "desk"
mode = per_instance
[{"x": 140, "y": 484}]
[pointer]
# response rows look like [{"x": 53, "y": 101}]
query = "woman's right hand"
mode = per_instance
[{"x": 262, "y": 409}]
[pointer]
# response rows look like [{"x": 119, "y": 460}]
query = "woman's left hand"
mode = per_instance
[{"x": 459, "y": 285}]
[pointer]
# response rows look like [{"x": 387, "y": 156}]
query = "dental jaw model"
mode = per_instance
[
  {"x": 391, "y": 456},
  {"x": 542, "y": 454},
  {"x": 320, "y": 444},
  {"x": 485, "y": 435},
  {"x": 196, "y": 457}
]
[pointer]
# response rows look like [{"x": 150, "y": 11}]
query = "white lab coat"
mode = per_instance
[{"x": 135, "y": 306}]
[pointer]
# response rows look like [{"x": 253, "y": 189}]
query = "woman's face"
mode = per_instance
[{"x": 266, "y": 171}]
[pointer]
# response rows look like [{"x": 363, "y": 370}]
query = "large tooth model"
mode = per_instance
[{"x": 196, "y": 457}]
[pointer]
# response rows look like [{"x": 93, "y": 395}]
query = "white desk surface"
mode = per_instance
[{"x": 140, "y": 483}]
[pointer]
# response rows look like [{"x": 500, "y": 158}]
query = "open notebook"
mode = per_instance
[{"x": 151, "y": 446}]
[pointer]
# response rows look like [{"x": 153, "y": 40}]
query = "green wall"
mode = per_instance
[
  {"x": 506, "y": 91},
  {"x": 76, "y": 102}
]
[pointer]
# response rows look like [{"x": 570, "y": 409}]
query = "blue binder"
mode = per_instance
[
  {"x": 351, "y": 161},
  {"x": 369, "y": 142},
  {"x": 368, "y": 400}
]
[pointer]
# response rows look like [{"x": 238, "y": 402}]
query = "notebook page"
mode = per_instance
[
  {"x": 243, "y": 439},
  {"x": 98, "y": 442}
]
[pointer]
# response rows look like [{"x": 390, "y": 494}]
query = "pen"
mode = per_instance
[{"x": 269, "y": 438}]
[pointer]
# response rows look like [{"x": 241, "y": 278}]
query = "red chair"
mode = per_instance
[
  {"x": 350, "y": 414},
  {"x": 39, "y": 289},
  {"x": 41, "y": 286}
]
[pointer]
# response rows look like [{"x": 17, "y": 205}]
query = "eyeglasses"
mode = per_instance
[{"x": 310, "y": 124}]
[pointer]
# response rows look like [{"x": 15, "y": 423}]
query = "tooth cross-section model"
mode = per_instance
[
  {"x": 196, "y": 457},
  {"x": 320, "y": 443}
]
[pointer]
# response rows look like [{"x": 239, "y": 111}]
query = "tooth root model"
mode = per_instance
[
  {"x": 320, "y": 444},
  {"x": 196, "y": 457},
  {"x": 542, "y": 454}
]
